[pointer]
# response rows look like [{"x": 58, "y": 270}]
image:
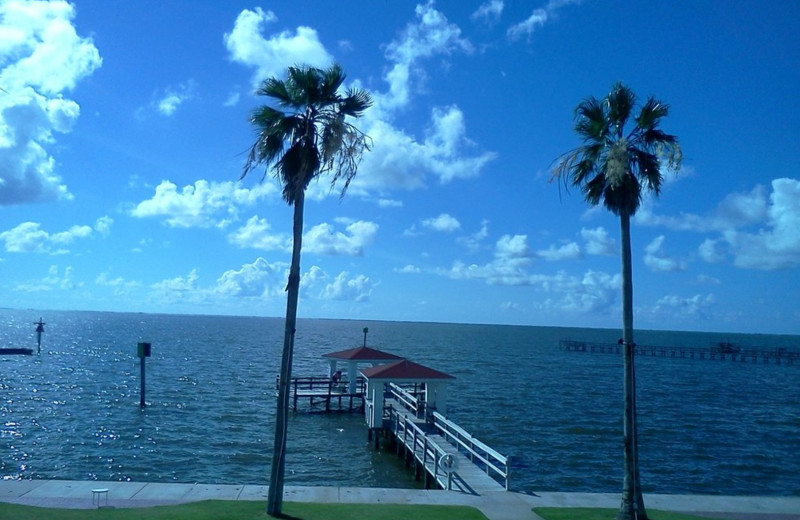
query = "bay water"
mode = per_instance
[{"x": 72, "y": 412}]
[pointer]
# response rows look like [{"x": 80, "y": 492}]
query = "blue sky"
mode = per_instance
[{"x": 123, "y": 131}]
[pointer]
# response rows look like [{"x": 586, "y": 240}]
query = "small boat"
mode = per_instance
[{"x": 16, "y": 351}]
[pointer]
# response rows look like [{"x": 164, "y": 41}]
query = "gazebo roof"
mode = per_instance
[
  {"x": 363, "y": 354},
  {"x": 404, "y": 369}
]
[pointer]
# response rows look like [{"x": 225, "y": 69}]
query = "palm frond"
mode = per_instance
[
  {"x": 355, "y": 102},
  {"x": 332, "y": 79},
  {"x": 652, "y": 111},
  {"x": 590, "y": 120},
  {"x": 619, "y": 104}
]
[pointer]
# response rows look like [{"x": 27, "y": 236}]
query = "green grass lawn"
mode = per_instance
[
  {"x": 247, "y": 510},
  {"x": 587, "y": 513}
]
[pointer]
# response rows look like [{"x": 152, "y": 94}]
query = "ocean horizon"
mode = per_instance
[{"x": 72, "y": 412}]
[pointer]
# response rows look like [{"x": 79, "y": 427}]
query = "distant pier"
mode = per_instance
[{"x": 720, "y": 352}]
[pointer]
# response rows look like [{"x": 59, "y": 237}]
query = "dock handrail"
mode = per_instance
[
  {"x": 491, "y": 458},
  {"x": 407, "y": 399},
  {"x": 431, "y": 452}
]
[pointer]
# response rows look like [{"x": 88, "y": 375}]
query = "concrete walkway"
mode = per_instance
[{"x": 499, "y": 505}]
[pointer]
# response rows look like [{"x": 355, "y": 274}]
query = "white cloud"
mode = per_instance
[
  {"x": 568, "y": 251},
  {"x": 118, "y": 285},
  {"x": 42, "y": 57},
  {"x": 509, "y": 267},
  {"x": 204, "y": 204},
  {"x": 444, "y": 223},
  {"x": 180, "y": 288},
  {"x": 710, "y": 251},
  {"x": 409, "y": 269},
  {"x": 103, "y": 225},
  {"x": 697, "y": 306},
  {"x": 473, "y": 241},
  {"x": 52, "y": 281},
  {"x": 399, "y": 160},
  {"x": 656, "y": 259},
  {"x": 736, "y": 210},
  {"x": 28, "y": 237},
  {"x": 512, "y": 247},
  {"x": 430, "y": 35},
  {"x": 168, "y": 101},
  {"x": 232, "y": 99},
  {"x": 390, "y": 203},
  {"x": 598, "y": 242},
  {"x": 256, "y": 234},
  {"x": 777, "y": 245},
  {"x": 357, "y": 289},
  {"x": 322, "y": 239},
  {"x": 271, "y": 56},
  {"x": 489, "y": 11},
  {"x": 259, "y": 279},
  {"x": 538, "y": 18}
]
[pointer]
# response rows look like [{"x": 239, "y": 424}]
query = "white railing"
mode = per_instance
[
  {"x": 413, "y": 438},
  {"x": 489, "y": 458},
  {"x": 407, "y": 399}
]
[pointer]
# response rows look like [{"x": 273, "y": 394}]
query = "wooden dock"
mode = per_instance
[
  {"x": 324, "y": 394},
  {"x": 441, "y": 452},
  {"x": 719, "y": 352}
]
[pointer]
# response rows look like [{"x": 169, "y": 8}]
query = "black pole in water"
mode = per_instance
[
  {"x": 366, "y": 329},
  {"x": 143, "y": 351},
  {"x": 39, "y": 329}
]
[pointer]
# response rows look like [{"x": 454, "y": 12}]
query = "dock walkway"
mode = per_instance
[{"x": 441, "y": 451}]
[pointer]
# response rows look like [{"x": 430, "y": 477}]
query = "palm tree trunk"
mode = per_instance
[
  {"x": 278, "y": 470},
  {"x": 632, "y": 507}
]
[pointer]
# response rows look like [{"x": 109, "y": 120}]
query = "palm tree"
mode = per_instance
[
  {"x": 619, "y": 159},
  {"x": 307, "y": 136}
]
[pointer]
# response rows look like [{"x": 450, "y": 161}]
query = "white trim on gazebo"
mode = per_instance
[
  {"x": 400, "y": 372},
  {"x": 358, "y": 356}
]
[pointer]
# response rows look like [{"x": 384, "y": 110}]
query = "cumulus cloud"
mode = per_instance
[
  {"x": 258, "y": 279},
  {"x": 409, "y": 269},
  {"x": 444, "y": 223},
  {"x": 489, "y": 11},
  {"x": 118, "y": 285},
  {"x": 203, "y": 204},
  {"x": 270, "y": 56},
  {"x": 598, "y": 242},
  {"x": 568, "y": 251},
  {"x": 166, "y": 102},
  {"x": 55, "y": 279},
  {"x": 29, "y": 237},
  {"x": 41, "y": 59},
  {"x": 473, "y": 242},
  {"x": 399, "y": 159},
  {"x": 756, "y": 229},
  {"x": 656, "y": 259},
  {"x": 179, "y": 288},
  {"x": 323, "y": 239},
  {"x": 697, "y": 306},
  {"x": 776, "y": 245},
  {"x": 539, "y": 17},
  {"x": 358, "y": 288},
  {"x": 256, "y": 234},
  {"x": 735, "y": 211},
  {"x": 512, "y": 257}
]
